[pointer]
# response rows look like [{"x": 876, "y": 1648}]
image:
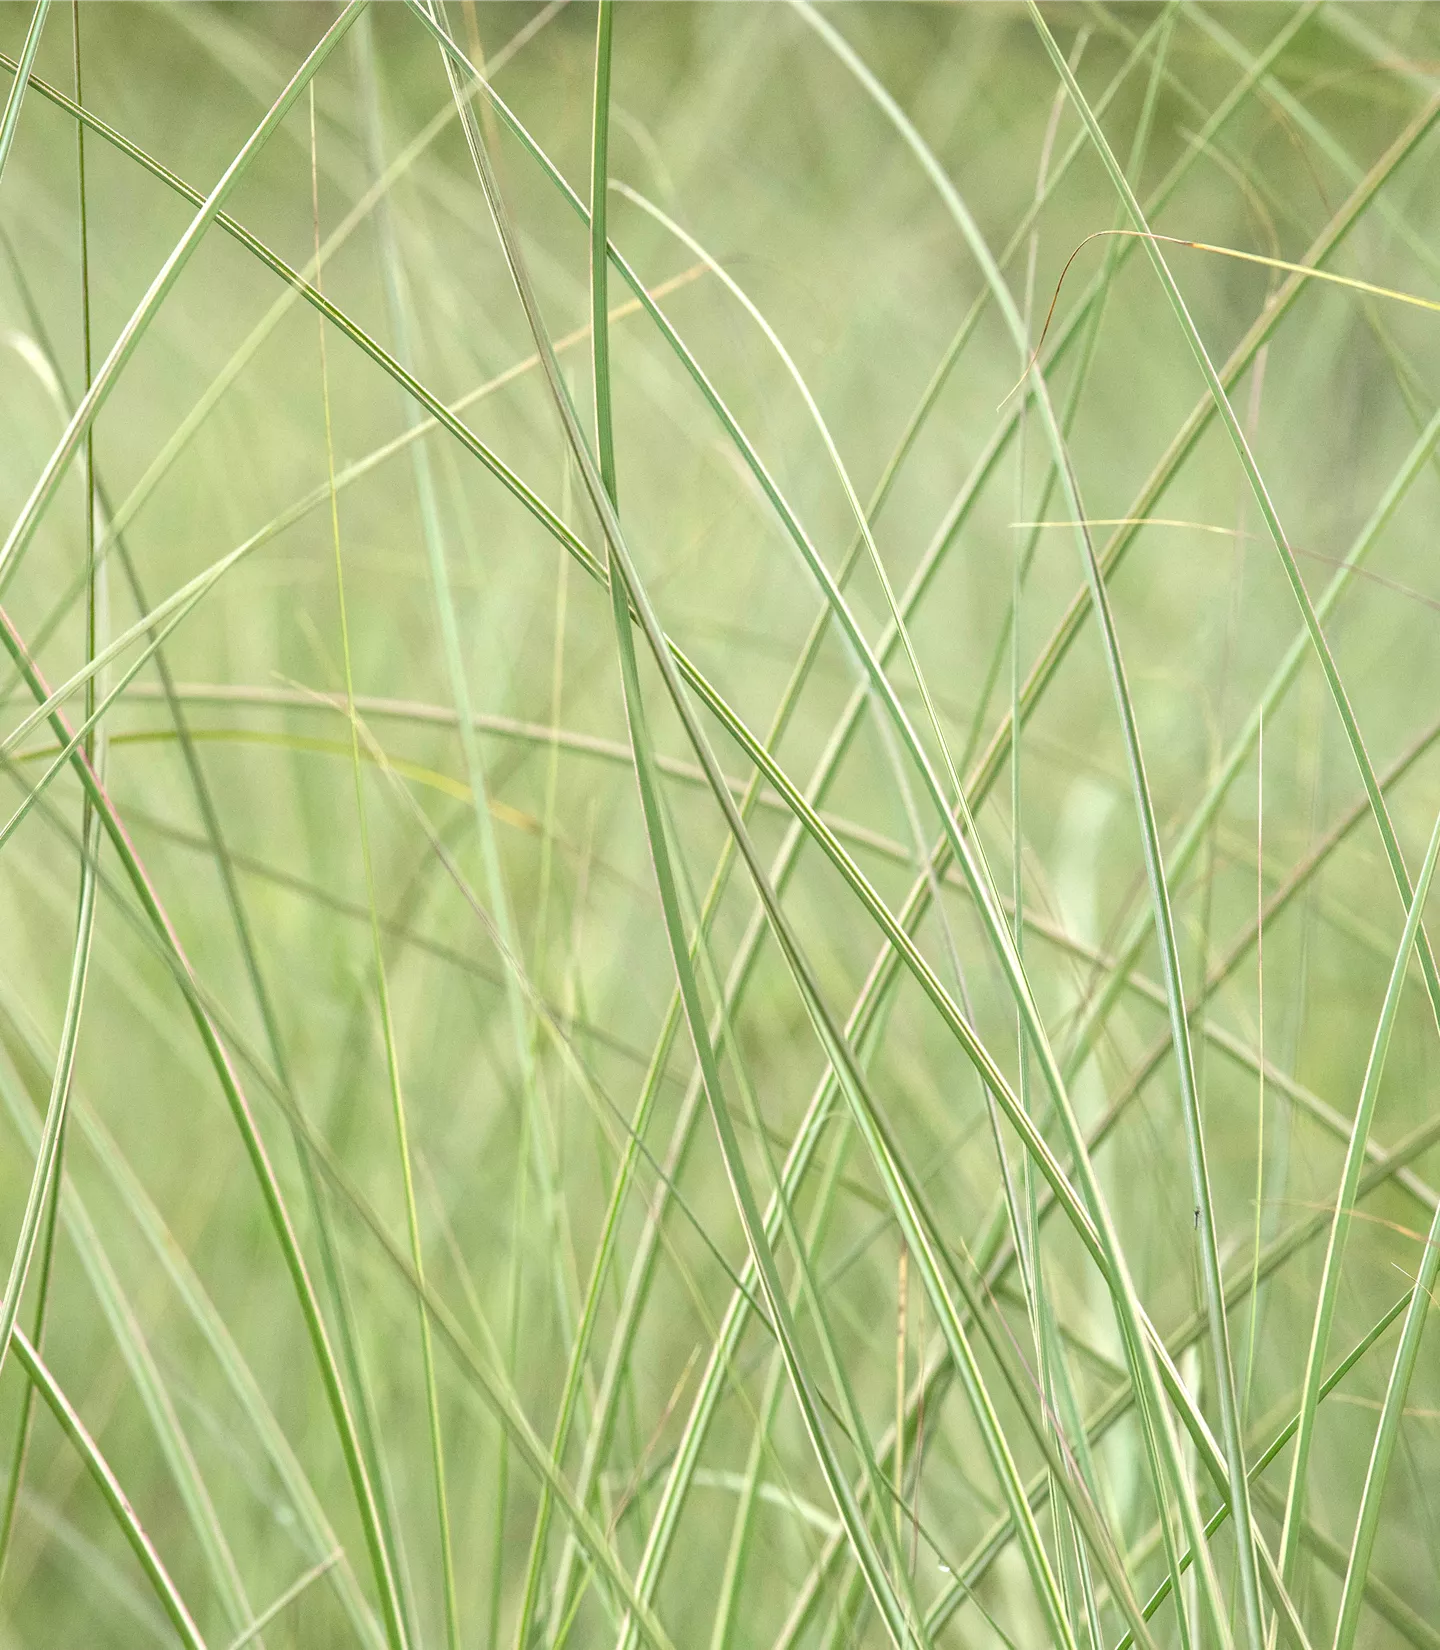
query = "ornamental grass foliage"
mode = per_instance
[{"x": 719, "y": 732}]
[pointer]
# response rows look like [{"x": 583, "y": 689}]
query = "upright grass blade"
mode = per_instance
[
  {"x": 1183, "y": 444},
  {"x": 1160, "y": 1438},
  {"x": 505, "y": 1406},
  {"x": 1105, "y": 1416},
  {"x": 604, "y": 446},
  {"x": 1386, "y": 1167},
  {"x": 838, "y": 744},
  {"x": 884, "y": 972},
  {"x": 1383, "y": 1601},
  {"x": 20, "y": 535},
  {"x": 852, "y": 498},
  {"x": 1224, "y": 1369},
  {"x": 537, "y": 1129},
  {"x": 599, "y": 251},
  {"x": 1291, "y": 1242},
  {"x": 363, "y": 340},
  {"x": 1025, "y": 1427},
  {"x": 1061, "y": 1400},
  {"x": 46, "y": 1182},
  {"x": 444, "y": 416},
  {"x": 371, "y": 203},
  {"x": 1038, "y": 678},
  {"x": 207, "y": 1320},
  {"x": 897, "y": 1618},
  {"x": 892, "y": 1609},
  {"x": 762, "y": 1443}
]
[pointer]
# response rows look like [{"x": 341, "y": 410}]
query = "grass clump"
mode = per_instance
[{"x": 719, "y": 734}]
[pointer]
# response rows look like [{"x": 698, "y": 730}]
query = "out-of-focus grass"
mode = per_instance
[{"x": 646, "y": 1115}]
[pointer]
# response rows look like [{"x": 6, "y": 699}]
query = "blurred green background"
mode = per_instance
[{"x": 527, "y": 993}]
